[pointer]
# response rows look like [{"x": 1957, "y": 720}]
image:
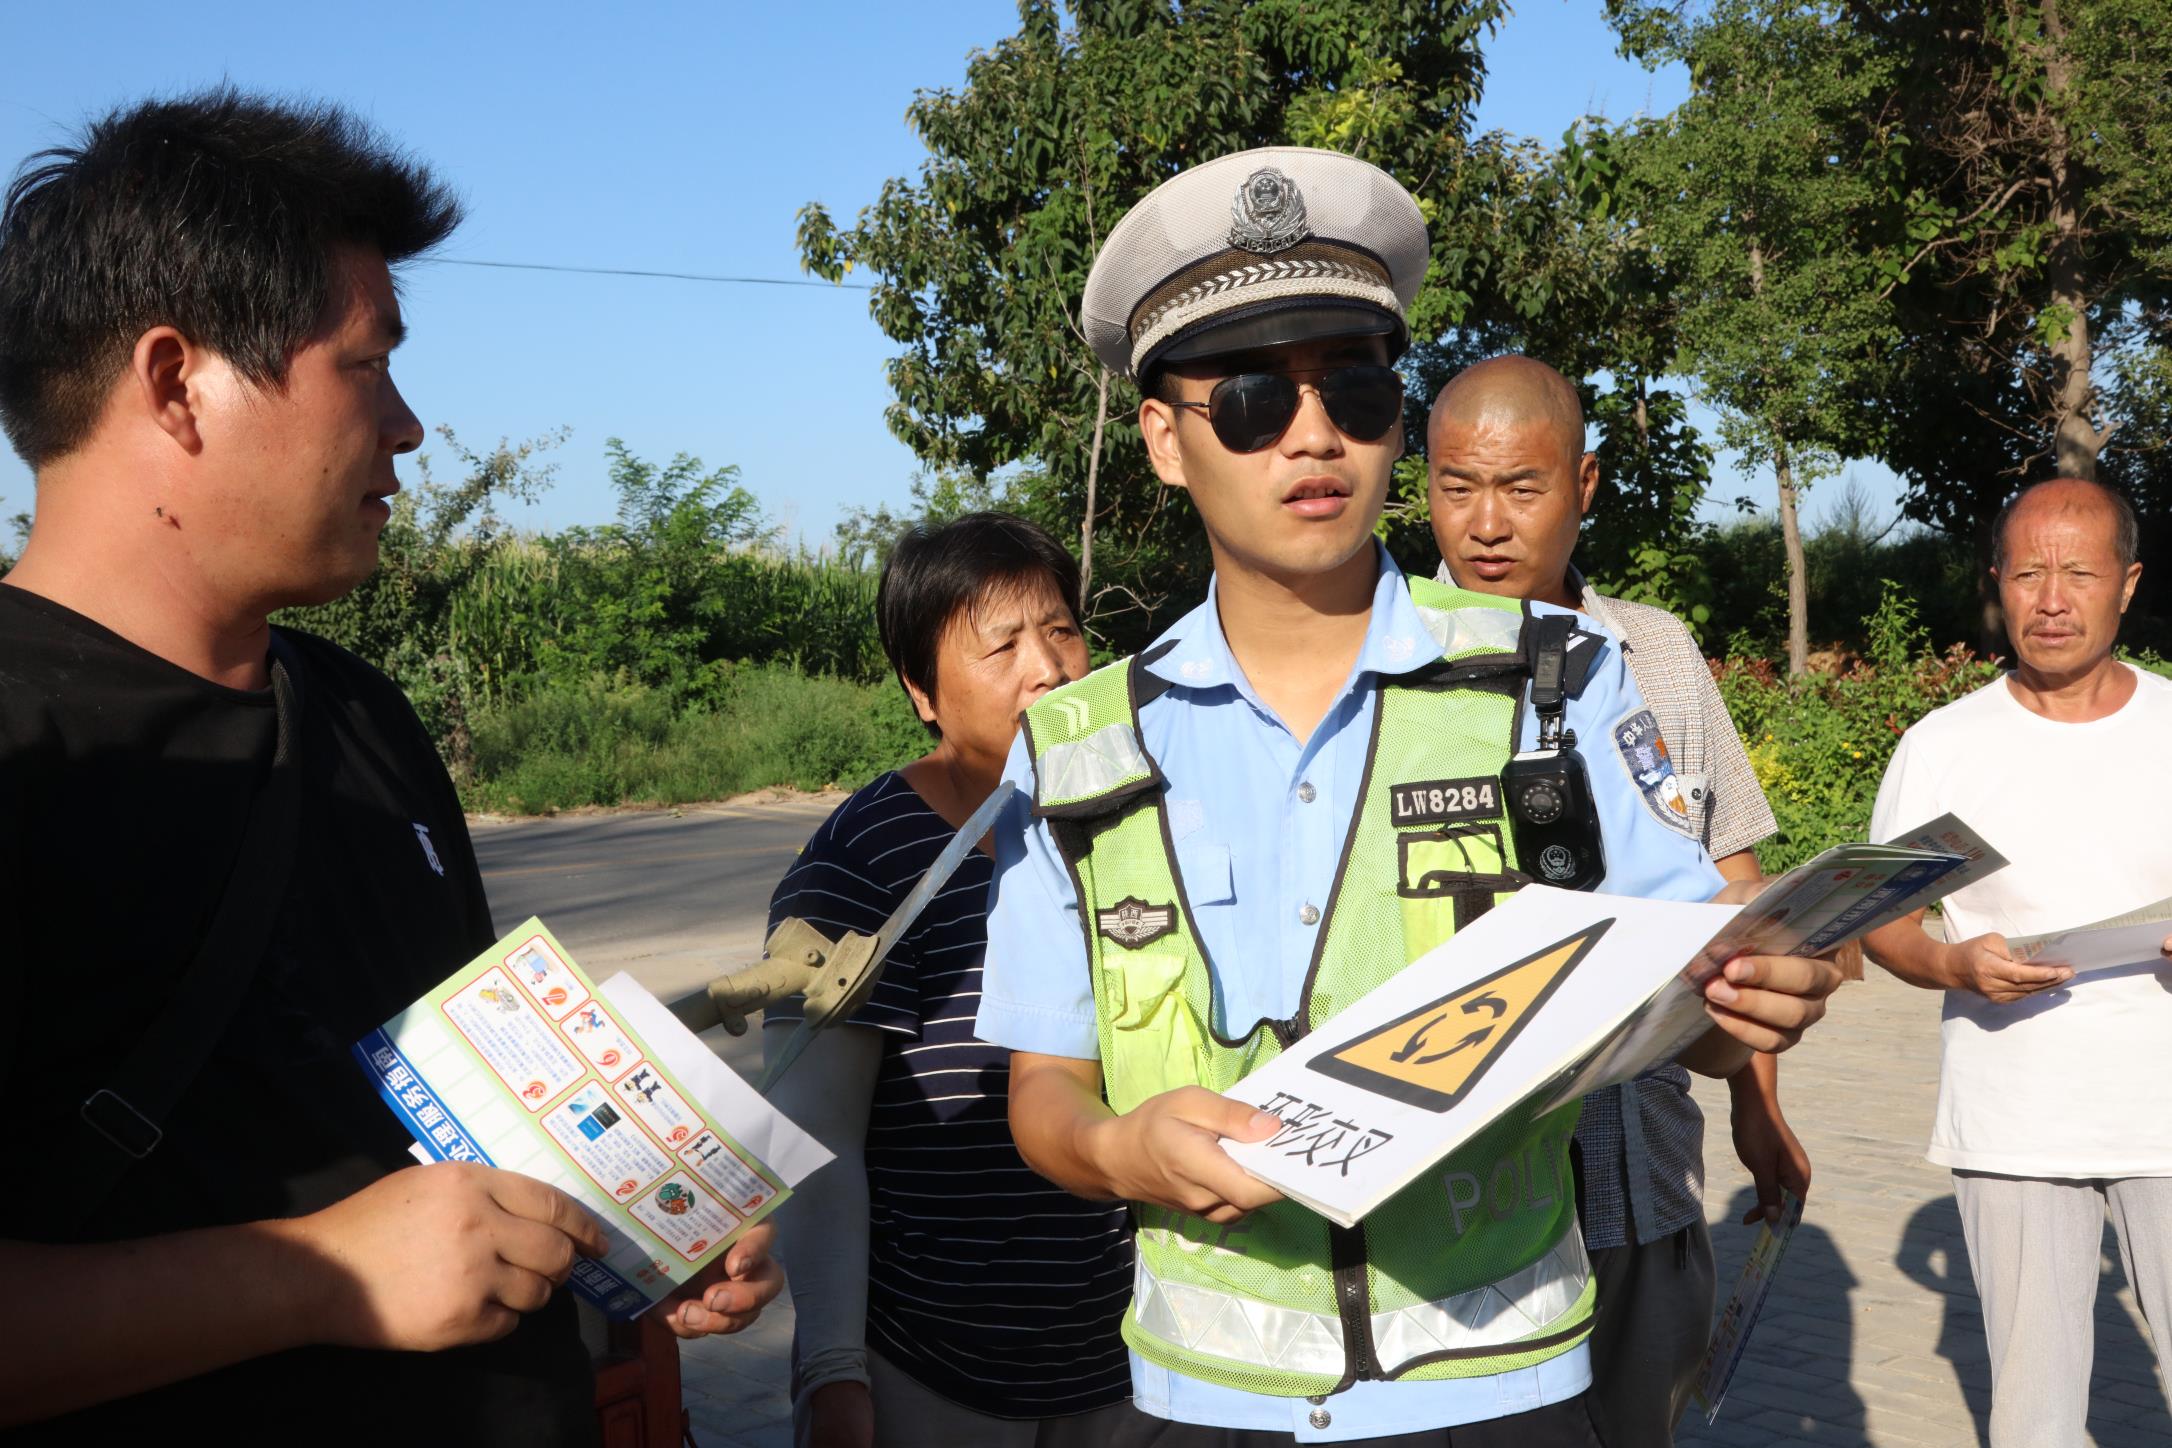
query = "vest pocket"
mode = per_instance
[
  {"x": 1155, "y": 1041},
  {"x": 1447, "y": 878}
]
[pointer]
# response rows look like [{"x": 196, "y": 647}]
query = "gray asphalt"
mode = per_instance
[{"x": 673, "y": 897}]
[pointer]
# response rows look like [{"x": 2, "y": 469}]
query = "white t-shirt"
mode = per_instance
[{"x": 2077, "y": 1081}]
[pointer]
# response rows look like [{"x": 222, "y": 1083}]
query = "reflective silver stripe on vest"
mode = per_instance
[
  {"x": 1461, "y": 631},
  {"x": 1094, "y": 765},
  {"x": 1524, "y": 1304}
]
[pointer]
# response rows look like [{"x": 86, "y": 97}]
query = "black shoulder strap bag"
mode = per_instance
[{"x": 123, "y": 1121}]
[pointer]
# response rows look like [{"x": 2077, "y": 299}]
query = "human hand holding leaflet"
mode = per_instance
[
  {"x": 518, "y": 1061},
  {"x": 1167, "y": 1152},
  {"x": 728, "y": 1295},
  {"x": 441, "y": 1256},
  {"x": 2137, "y": 938}
]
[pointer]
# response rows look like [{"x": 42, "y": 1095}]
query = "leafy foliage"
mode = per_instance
[
  {"x": 1763, "y": 196},
  {"x": 1057, "y": 131},
  {"x": 661, "y": 607},
  {"x": 2038, "y": 247},
  {"x": 864, "y": 536},
  {"x": 1820, "y": 744},
  {"x": 442, "y": 538},
  {"x": 595, "y": 742}
]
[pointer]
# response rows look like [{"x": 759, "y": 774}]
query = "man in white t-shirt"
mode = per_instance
[{"x": 2054, "y": 1094}]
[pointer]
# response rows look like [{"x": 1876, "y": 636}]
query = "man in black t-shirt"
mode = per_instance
[{"x": 196, "y": 311}]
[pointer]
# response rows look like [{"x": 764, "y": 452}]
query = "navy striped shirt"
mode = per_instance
[{"x": 986, "y": 1283}]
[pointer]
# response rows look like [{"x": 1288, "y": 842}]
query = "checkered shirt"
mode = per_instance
[{"x": 1643, "y": 1141}]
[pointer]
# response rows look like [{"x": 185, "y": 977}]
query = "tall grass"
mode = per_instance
[{"x": 600, "y": 743}]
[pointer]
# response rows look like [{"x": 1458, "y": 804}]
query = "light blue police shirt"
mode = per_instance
[{"x": 1258, "y": 821}]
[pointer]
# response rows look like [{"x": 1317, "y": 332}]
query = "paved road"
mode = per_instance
[
  {"x": 674, "y": 897},
  {"x": 1872, "y": 1336},
  {"x": 1873, "y": 1333}
]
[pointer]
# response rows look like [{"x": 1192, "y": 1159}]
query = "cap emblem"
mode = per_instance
[{"x": 1268, "y": 214}]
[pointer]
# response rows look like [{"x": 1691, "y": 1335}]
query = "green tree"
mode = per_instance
[
  {"x": 980, "y": 261},
  {"x": 1614, "y": 309},
  {"x": 650, "y": 597},
  {"x": 442, "y": 535},
  {"x": 19, "y": 525},
  {"x": 2038, "y": 262},
  {"x": 863, "y": 538},
  {"x": 1763, "y": 196}
]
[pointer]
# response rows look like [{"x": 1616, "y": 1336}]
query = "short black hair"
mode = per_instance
[
  {"x": 936, "y": 574},
  {"x": 2126, "y": 527},
  {"x": 215, "y": 213}
]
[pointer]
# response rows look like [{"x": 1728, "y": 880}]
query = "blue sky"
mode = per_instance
[{"x": 669, "y": 137}]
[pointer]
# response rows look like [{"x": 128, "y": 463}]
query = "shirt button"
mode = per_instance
[
  {"x": 1319, "y": 1417},
  {"x": 1306, "y": 792},
  {"x": 1317, "y": 1399},
  {"x": 1310, "y": 915}
]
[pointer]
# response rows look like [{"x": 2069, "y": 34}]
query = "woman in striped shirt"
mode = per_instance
[{"x": 945, "y": 1293}]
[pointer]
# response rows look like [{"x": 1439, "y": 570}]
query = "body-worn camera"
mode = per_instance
[
  {"x": 1555, "y": 819},
  {"x": 1548, "y": 794}
]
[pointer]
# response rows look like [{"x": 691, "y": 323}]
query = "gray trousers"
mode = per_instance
[
  {"x": 1648, "y": 1334},
  {"x": 2034, "y": 1247}
]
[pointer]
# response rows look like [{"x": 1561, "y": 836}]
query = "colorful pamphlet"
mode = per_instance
[
  {"x": 518, "y": 1060},
  {"x": 1731, "y": 1334}
]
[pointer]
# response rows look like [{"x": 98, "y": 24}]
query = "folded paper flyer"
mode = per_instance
[
  {"x": 1731, "y": 1334},
  {"x": 2133, "y": 939},
  {"x": 518, "y": 1060},
  {"x": 1542, "y": 1000}
]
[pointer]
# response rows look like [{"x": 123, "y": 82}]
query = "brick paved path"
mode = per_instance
[{"x": 1872, "y": 1336}]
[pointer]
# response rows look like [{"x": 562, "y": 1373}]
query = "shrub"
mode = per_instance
[
  {"x": 605, "y": 742},
  {"x": 471, "y": 619},
  {"x": 1820, "y": 744}
]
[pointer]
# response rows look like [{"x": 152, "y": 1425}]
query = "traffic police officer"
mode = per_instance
[{"x": 1279, "y": 804}]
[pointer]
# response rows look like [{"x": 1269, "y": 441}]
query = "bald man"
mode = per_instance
[
  {"x": 2054, "y": 1088},
  {"x": 1511, "y": 482}
]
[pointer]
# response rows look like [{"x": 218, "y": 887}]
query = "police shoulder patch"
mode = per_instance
[
  {"x": 1131, "y": 922},
  {"x": 1642, "y": 752}
]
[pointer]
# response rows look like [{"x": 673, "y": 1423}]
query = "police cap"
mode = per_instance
[{"x": 1256, "y": 249}]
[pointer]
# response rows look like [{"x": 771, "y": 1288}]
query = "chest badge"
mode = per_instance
[
  {"x": 1445, "y": 801},
  {"x": 1131, "y": 922}
]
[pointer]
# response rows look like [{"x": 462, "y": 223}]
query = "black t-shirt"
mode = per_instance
[{"x": 126, "y": 783}]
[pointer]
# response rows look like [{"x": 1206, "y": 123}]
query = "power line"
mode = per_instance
[{"x": 619, "y": 271}]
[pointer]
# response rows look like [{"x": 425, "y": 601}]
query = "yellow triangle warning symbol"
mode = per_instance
[{"x": 1431, "y": 1057}]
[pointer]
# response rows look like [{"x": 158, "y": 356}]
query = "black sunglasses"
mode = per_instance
[{"x": 1253, "y": 409}]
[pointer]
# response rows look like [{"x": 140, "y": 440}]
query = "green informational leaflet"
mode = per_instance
[{"x": 518, "y": 1060}]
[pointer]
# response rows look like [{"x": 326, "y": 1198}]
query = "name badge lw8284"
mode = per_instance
[{"x": 1442, "y": 801}]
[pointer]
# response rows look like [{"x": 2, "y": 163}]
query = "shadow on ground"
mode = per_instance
[
  {"x": 2125, "y": 1406},
  {"x": 1786, "y": 1383},
  {"x": 1933, "y": 1256}
]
